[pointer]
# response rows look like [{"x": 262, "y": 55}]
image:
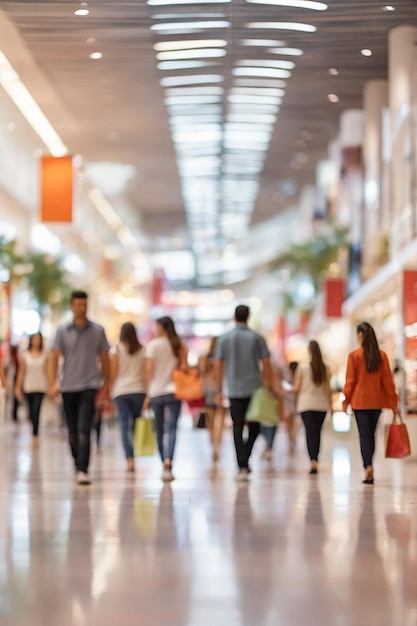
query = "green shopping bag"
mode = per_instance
[
  {"x": 263, "y": 408},
  {"x": 144, "y": 441}
]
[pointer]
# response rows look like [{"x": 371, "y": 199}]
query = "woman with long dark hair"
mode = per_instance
[
  {"x": 312, "y": 386},
  {"x": 164, "y": 354},
  {"x": 32, "y": 382},
  {"x": 128, "y": 385},
  {"x": 369, "y": 388}
]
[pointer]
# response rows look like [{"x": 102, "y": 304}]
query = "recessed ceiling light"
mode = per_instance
[
  {"x": 96, "y": 55},
  {"x": 299, "y": 4},
  {"x": 388, "y": 7},
  {"x": 81, "y": 12},
  {"x": 305, "y": 28},
  {"x": 366, "y": 52},
  {"x": 333, "y": 71},
  {"x": 333, "y": 97}
]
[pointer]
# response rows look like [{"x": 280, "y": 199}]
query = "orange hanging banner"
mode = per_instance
[{"x": 56, "y": 189}]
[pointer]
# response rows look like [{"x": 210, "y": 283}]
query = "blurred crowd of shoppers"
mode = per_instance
[{"x": 88, "y": 375}]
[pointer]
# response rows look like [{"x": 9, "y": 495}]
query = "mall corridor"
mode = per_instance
[{"x": 286, "y": 549}]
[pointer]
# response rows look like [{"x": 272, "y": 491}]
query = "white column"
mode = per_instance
[{"x": 375, "y": 101}]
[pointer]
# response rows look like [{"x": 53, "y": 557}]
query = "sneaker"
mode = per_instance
[
  {"x": 242, "y": 475},
  {"x": 82, "y": 479},
  {"x": 167, "y": 475}
]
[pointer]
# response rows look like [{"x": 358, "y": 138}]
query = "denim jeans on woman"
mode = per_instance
[
  {"x": 167, "y": 411},
  {"x": 129, "y": 408}
]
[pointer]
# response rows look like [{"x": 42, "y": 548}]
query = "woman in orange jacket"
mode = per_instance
[{"x": 369, "y": 388}]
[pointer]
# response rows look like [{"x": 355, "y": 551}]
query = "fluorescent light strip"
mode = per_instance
[
  {"x": 262, "y": 42},
  {"x": 257, "y": 91},
  {"x": 283, "y": 65},
  {"x": 294, "y": 52},
  {"x": 194, "y": 91},
  {"x": 189, "y": 44},
  {"x": 161, "y": 3},
  {"x": 298, "y": 4},
  {"x": 187, "y": 16},
  {"x": 248, "y": 99},
  {"x": 194, "y": 99},
  {"x": 304, "y": 28},
  {"x": 172, "y": 66},
  {"x": 260, "y": 71},
  {"x": 178, "y": 26},
  {"x": 29, "y": 108},
  {"x": 260, "y": 82},
  {"x": 192, "y": 79},
  {"x": 200, "y": 53}
]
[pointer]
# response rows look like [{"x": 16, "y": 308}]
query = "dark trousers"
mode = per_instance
[
  {"x": 79, "y": 407},
  {"x": 313, "y": 422},
  {"x": 238, "y": 409},
  {"x": 34, "y": 401},
  {"x": 367, "y": 420}
]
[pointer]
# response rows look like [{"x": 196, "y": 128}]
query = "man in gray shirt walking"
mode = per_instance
[
  {"x": 244, "y": 356},
  {"x": 84, "y": 348}
]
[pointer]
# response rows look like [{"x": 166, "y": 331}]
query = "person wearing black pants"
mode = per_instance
[
  {"x": 238, "y": 409},
  {"x": 367, "y": 421},
  {"x": 312, "y": 388},
  {"x": 313, "y": 423},
  {"x": 34, "y": 401},
  {"x": 244, "y": 357},
  {"x": 79, "y": 409},
  {"x": 369, "y": 388},
  {"x": 31, "y": 381}
]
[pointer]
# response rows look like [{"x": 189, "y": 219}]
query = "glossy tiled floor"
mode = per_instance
[{"x": 285, "y": 550}]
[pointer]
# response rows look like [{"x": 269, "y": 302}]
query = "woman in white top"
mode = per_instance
[
  {"x": 31, "y": 381},
  {"x": 312, "y": 386},
  {"x": 128, "y": 385},
  {"x": 164, "y": 354}
]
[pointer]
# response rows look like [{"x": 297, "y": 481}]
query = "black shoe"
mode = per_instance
[
  {"x": 368, "y": 481},
  {"x": 314, "y": 470}
]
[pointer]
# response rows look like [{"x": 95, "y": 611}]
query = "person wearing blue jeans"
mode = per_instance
[
  {"x": 129, "y": 408},
  {"x": 164, "y": 355},
  {"x": 167, "y": 411},
  {"x": 269, "y": 433}
]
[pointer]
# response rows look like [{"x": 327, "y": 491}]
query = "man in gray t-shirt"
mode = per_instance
[
  {"x": 244, "y": 357},
  {"x": 83, "y": 346}
]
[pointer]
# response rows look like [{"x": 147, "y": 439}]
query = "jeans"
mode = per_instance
[
  {"x": 79, "y": 407},
  {"x": 269, "y": 433},
  {"x": 313, "y": 422},
  {"x": 162, "y": 405},
  {"x": 238, "y": 409},
  {"x": 367, "y": 420},
  {"x": 34, "y": 401},
  {"x": 129, "y": 407}
]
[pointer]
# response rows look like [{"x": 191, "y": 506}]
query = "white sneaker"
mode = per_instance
[
  {"x": 167, "y": 475},
  {"x": 82, "y": 479},
  {"x": 242, "y": 475}
]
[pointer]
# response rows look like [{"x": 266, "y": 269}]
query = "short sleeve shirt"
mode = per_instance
[
  {"x": 242, "y": 349},
  {"x": 81, "y": 348},
  {"x": 164, "y": 364}
]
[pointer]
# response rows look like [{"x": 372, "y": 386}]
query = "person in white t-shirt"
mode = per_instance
[
  {"x": 32, "y": 381},
  {"x": 314, "y": 399},
  {"x": 128, "y": 385},
  {"x": 164, "y": 354}
]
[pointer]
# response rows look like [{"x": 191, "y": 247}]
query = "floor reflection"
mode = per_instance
[{"x": 285, "y": 550}]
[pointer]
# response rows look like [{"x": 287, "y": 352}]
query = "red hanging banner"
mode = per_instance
[{"x": 334, "y": 294}]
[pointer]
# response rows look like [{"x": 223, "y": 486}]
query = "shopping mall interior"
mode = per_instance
[{"x": 175, "y": 159}]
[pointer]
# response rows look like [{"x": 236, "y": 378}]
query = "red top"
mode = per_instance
[{"x": 364, "y": 390}]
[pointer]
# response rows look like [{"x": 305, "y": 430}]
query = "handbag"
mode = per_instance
[
  {"x": 263, "y": 408},
  {"x": 188, "y": 385},
  {"x": 144, "y": 443},
  {"x": 398, "y": 442},
  {"x": 202, "y": 420}
]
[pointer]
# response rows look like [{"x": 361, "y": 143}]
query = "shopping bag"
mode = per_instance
[
  {"x": 188, "y": 385},
  {"x": 263, "y": 408},
  {"x": 398, "y": 442},
  {"x": 202, "y": 420},
  {"x": 144, "y": 440}
]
